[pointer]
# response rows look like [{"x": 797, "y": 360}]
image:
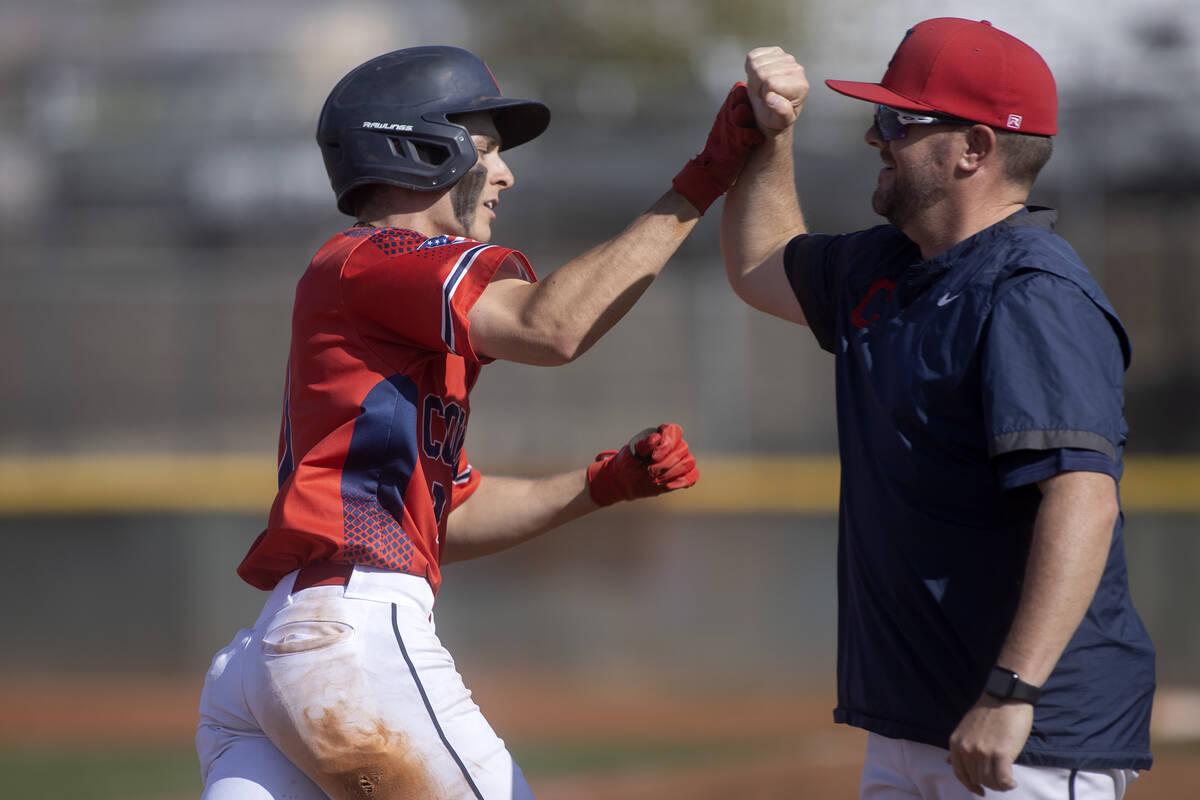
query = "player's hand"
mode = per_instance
[
  {"x": 777, "y": 88},
  {"x": 733, "y": 135},
  {"x": 654, "y": 461},
  {"x": 987, "y": 741}
]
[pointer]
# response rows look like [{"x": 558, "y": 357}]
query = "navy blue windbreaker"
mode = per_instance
[{"x": 961, "y": 381}]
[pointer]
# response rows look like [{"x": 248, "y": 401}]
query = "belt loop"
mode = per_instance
[{"x": 323, "y": 573}]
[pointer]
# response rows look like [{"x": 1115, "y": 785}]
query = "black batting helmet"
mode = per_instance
[{"x": 386, "y": 120}]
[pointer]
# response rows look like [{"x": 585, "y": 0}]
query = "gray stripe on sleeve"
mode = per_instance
[{"x": 1051, "y": 440}]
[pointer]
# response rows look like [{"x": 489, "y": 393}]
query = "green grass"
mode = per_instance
[
  {"x": 173, "y": 774},
  {"x": 557, "y": 758},
  {"x": 134, "y": 774}
]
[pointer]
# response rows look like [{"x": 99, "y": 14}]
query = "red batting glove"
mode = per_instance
[
  {"x": 734, "y": 134},
  {"x": 657, "y": 460}
]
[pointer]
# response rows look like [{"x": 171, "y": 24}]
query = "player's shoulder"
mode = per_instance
[
  {"x": 389, "y": 242},
  {"x": 405, "y": 242}
]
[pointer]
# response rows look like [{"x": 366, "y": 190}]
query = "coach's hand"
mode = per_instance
[
  {"x": 987, "y": 741},
  {"x": 734, "y": 134},
  {"x": 777, "y": 88},
  {"x": 654, "y": 461}
]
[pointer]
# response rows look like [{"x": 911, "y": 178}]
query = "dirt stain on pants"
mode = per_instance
[{"x": 366, "y": 762}]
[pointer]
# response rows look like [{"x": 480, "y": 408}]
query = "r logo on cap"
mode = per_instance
[{"x": 1014, "y": 121}]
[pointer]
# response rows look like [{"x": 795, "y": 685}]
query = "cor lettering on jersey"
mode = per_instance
[{"x": 443, "y": 429}]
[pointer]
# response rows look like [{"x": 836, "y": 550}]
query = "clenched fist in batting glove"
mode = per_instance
[
  {"x": 734, "y": 134},
  {"x": 657, "y": 460}
]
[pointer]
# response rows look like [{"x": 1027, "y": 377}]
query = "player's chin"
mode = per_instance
[{"x": 481, "y": 231}]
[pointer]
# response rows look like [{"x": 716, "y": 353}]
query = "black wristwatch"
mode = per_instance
[{"x": 1007, "y": 685}]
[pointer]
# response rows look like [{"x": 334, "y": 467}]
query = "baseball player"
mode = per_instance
[{"x": 341, "y": 688}]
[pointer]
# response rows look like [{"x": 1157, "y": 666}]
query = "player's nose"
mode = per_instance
[{"x": 501, "y": 175}]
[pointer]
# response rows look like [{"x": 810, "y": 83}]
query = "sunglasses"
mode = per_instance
[{"x": 893, "y": 123}]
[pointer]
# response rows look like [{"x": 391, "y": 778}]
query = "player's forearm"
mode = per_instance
[
  {"x": 504, "y": 512},
  {"x": 581, "y": 300},
  {"x": 1071, "y": 541},
  {"x": 559, "y": 318},
  {"x": 762, "y": 210}
]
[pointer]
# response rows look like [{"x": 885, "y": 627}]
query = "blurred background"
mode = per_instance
[{"x": 161, "y": 192}]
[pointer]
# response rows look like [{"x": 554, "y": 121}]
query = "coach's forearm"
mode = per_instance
[
  {"x": 761, "y": 215},
  {"x": 504, "y": 512},
  {"x": 762, "y": 210},
  {"x": 1071, "y": 541}
]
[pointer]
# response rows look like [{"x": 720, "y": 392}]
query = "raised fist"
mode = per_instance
[{"x": 777, "y": 87}]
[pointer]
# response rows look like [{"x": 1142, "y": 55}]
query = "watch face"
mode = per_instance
[
  {"x": 1006, "y": 684},
  {"x": 1001, "y": 682}
]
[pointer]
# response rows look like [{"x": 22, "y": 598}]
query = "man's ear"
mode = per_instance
[{"x": 979, "y": 147}]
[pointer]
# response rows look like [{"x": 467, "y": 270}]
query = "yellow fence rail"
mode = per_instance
[{"x": 244, "y": 483}]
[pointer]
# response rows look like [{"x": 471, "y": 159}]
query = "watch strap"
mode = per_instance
[{"x": 1007, "y": 685}]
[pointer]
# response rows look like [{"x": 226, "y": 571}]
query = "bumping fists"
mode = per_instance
[
  {"x": 654, "y": 461},
  {"x": 769, "y": 102},
  {"x": 777, "y": 87}
]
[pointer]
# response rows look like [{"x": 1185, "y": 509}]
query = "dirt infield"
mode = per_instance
[{"x": 754, "y": 744}]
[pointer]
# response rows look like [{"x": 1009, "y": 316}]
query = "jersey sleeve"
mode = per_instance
[
  {"x": 420, "y": 294},
  {"x": 824, "y": 270},
  {"x": 1022, "y": 467},
  {"x": 1052, "y": 371},
  {"x": 466, "y": 481},
  {"x": 810, "y": 263}
]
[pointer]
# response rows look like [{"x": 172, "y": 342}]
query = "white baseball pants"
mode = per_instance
[
  {"x": 898, "y": 769},
  {"x": 346, "y": 692}
]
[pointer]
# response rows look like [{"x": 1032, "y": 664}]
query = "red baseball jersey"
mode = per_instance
[{"x": 375, "y": 409}]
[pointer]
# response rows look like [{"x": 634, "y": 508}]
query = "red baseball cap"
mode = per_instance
[{"x": 966, "y": 69}]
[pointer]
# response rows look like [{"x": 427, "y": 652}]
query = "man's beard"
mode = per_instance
[
  {"x": 907, "y": 199},
  {"x": 464, "y": 196},
  {"x": 920, "y": 189}
]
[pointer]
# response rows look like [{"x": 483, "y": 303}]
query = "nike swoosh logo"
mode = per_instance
[{"x": 947, "y": 298}]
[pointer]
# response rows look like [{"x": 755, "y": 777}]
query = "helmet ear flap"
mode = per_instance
[{"x": 432, "y": 154}]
